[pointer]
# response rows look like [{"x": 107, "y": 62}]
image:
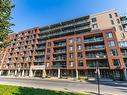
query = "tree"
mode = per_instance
[{"x": 5, "y": 24}]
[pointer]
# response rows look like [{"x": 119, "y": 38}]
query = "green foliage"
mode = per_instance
[
  {"x": 5, "y": 24},
  {"x": 16, "y": 90}
]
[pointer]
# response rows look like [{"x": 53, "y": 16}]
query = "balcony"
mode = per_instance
[
  {"x": 39, "y": 60},
  {"x": 60, "y": 45},
  {"x": 40, "y": 48},
  {"x": 124, "y": 22},
  {"x": 66, "y": 31},
  {"x": 95, "y": 48},
  {"x": 59, "y": 51},
  {"x": 41, "y": 42},
  {"x": 93, "y": 40},
  {"x": 39, "y": 54},
  {"x": 89, "y": 57},
  {"x": 58, "y": 66},
  {"x": 59, "y": 58},
  {"x": 124, "y": 55},
  {"x": 67, "y": 25}
]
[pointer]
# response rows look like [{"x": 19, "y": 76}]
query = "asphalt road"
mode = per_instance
[{"x": 107, "y": 88}]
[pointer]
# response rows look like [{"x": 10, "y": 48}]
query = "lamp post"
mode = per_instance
[{"x": 98, "y": 75}]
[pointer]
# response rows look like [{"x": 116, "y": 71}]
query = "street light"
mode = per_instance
[{"x": 98, "y": 74}]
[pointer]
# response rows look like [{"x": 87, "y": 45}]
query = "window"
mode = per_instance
[
  {"x": 112, "y": 22},
  {"x": 71, "y": 55},
  {"x": 70, "y": 40},
  {"x": 95, "y": 26},
  {"x": 49, "y": 43},
  {"x": 48, "y": 50},
  {"x": 109, "y": 35},
  {"x": 111, "y": 43},
  {"x": 114, "y": 52},
  {"x": 47, "y": 57},
  {"x": 123, "y": 44},
  {"x": 110, "y": 16},
  {"x": 70, "y": 47},
  {"x": 79, "y": 47},
  {"x": 120, "y": 28},
  {"x": 114, "y": 28},
  {"x": 118, "y": 21},
  {"x": 78, "y": 39},
  {"x": 116, "y": 62},
  {"x": 71, "y": 64},
  {"x": 94, "y": 20},
  {"x": 122, "y": 35},
  {"x": 116, "y": 15},
  {"x": 79, "y": 55},
  {"x": 80, "y": 63}
]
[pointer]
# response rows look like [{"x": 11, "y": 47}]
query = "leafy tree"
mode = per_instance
[{"x": 5, "y": 24}]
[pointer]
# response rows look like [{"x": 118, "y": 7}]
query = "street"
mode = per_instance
[{"x": 107, "y": 88}]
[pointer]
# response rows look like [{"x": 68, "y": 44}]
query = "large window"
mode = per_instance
[
  {"x": 71, "y": 55},
  {"x": 95, "y": 26},
  {"x": 79, "y": 55},
  {"x": 80, "y": 63},
  {"x": 78, "y": 39},
  {"x": 116, "y": 62},
  {"x": 114, "y": 52},
  {"x": 70, "y": 40},
  {"x": 71, "y": 64},
  {"x": 120, "y": 28},
  {"x": 109, "y": 35},
  {"x": 123, "y": 44},
  {"x": 94, "y": 20},
  {"x": 70, "y": 47},
  {"x": 111, "y": 43},
  {"x": 118, "y": 21},
  {"x": 112, "y": 22},
  {"x": 116, "y": 15},
  {"x": 79, "y": 47},
  {"x": 110, "y": 16}
]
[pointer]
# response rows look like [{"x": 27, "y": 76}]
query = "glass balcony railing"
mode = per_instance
[
  {"x": 124, "y": 54},
  {"x": 93, "y": 40},
  {"x": 60, "y": 44},
  {"x": 58, "y": 51},
  {"x": 65, "y": 31},
  {"x": 38, "y": 48},
  {"x": 59, "y": 59},
  {"x": 95, "y": 47},
  {"x": 67, "y": 25},
  {"x": 94, "y": 56}
]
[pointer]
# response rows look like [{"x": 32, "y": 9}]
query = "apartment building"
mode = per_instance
[{"x": 70, "y": 49}]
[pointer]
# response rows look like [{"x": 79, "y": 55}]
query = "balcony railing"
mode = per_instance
[
  {"x": 67, "y": 25},
  {"x": 93, "y": 40},
  {"x": 60, "y": 44},
  {"x": 60, "y": 51},
  {"x": 66, "y": 31},
  {"x": 94, "y": 56},
  {"x": 95, "y": 47},
  {"x": 59, "y": 59}
]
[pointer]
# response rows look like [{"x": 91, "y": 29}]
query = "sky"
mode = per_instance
[{"x": 38, "y": 13}]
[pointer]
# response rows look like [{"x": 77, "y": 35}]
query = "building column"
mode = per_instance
[
  {"x": 0, "y": 72},
  {"x": 58, "y": 72},
  {"x": 125, "y": 73},
  {"x": 8, "y": 73},
  {"x": 77, "y": 74},
  {"x": 22, "y": 73},
  {"x": 43, "y": 73},
  {"x": 31, "y": 73},
  {"x": 15, "y": 72}
]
